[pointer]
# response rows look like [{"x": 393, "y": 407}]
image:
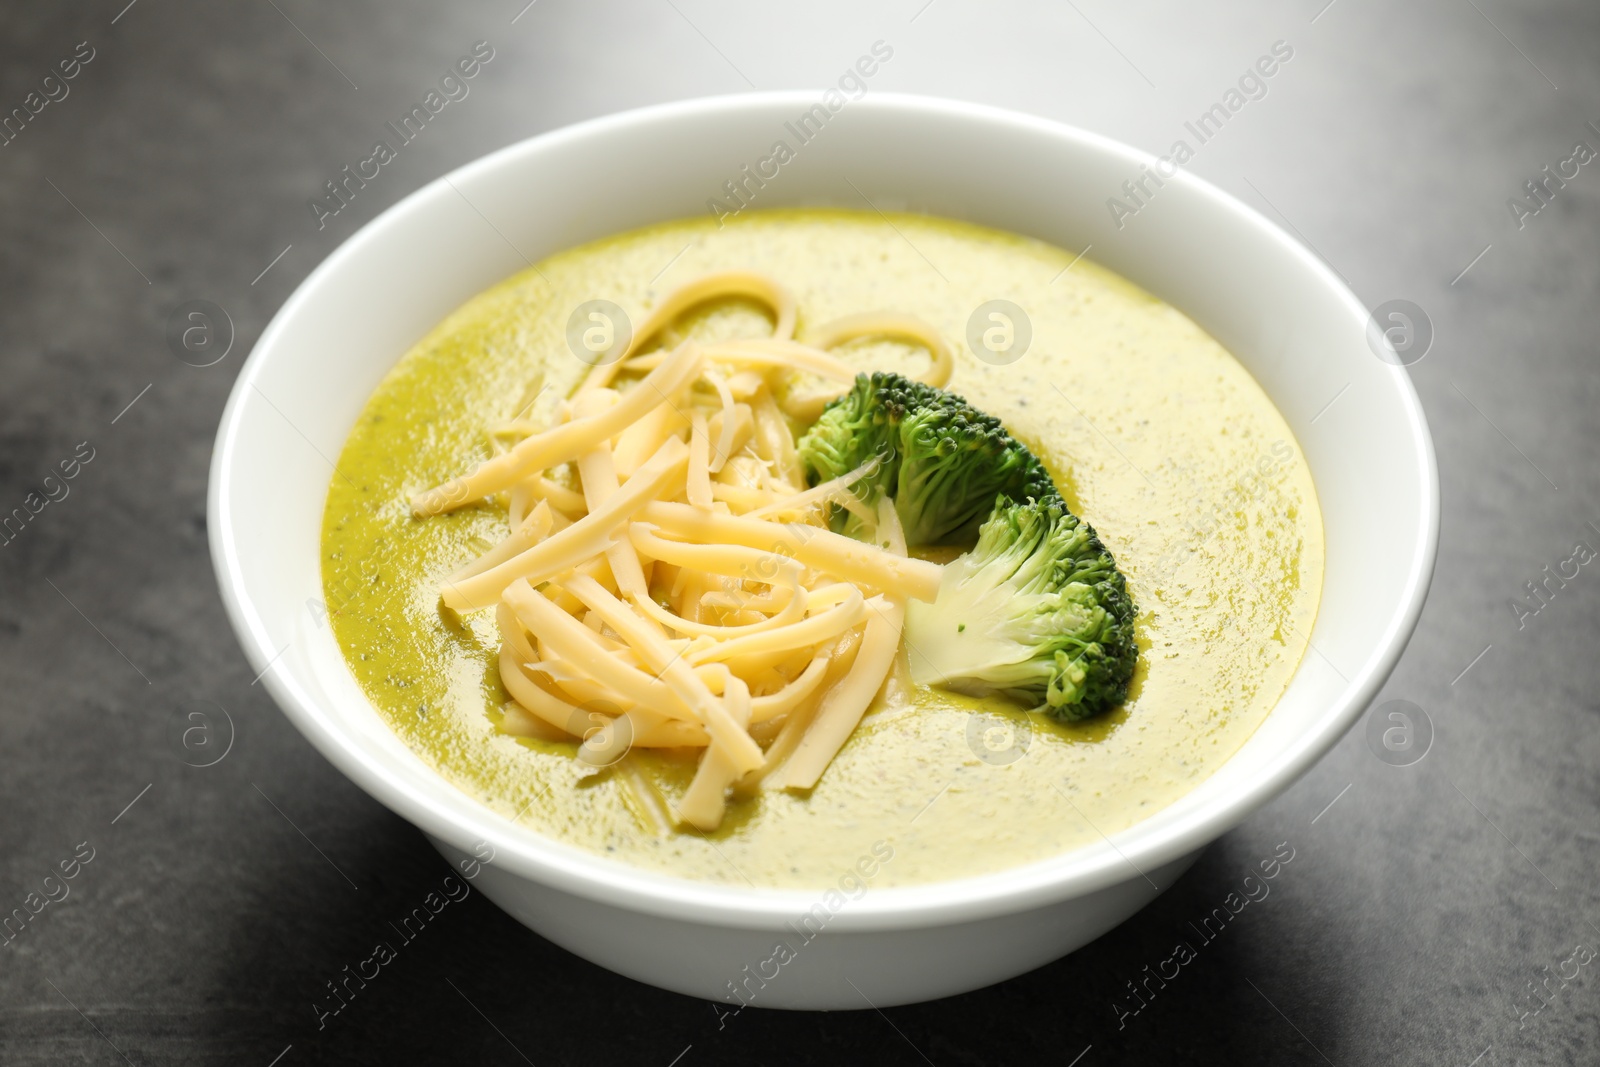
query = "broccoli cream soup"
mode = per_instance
[{"x": 1150, "y": 431}]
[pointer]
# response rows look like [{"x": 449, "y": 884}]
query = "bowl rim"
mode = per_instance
[{"x": 1132, "y": 852}]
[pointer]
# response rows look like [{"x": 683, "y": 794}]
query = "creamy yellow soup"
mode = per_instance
[{"x": 1154, "y": 433}]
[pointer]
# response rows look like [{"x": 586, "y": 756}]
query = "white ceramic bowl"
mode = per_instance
[{"x": 1278, "y": 308}]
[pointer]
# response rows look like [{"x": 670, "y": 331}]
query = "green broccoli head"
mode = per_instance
[
  {"x": 1037, "y": 612},
  {"x": 942, "y": 460}
]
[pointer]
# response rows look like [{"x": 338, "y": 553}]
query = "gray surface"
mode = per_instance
[{"x": 1418, "y": 907}]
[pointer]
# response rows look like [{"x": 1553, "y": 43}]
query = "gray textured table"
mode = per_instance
[{"x": 1439, "y": 913}]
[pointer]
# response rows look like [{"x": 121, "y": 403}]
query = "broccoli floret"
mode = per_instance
[
  {"x": 1037, "y": 612},
  {"x": 941, "y": 459}
]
